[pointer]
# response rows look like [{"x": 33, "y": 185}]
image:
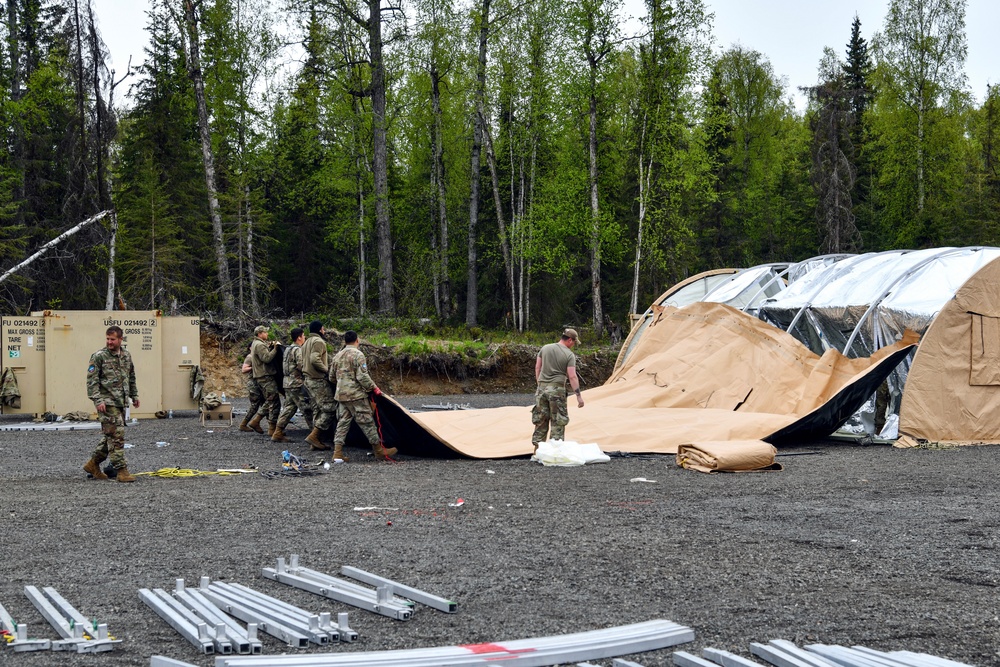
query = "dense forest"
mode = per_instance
[{"x": 502, "y": 163}]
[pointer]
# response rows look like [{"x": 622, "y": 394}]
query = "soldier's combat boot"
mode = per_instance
[
  {"x": 93, "y": 466},
  {"x": 338, "y": 453},
  {"x": 383, "y": 453},
  {"x": 314, "y": 442},
  {"x": 278, "y": 435},
  {"x": 245, "y": 424},
  {"x": 255, "y": 424},
  {"x": 124, "y": 475},
  {"x": 271, "y": 428}
]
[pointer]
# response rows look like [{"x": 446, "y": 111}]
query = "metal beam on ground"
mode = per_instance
[
  {"x": 727, "y": 659},
  {"x": 71, "y": 625},
  {"x": 846, "y": 657},
  {"x": 777, "y": 656},
  {"x": 339, "y": 630},
  {"x": 19, "y": 631},
  {"x": 402, "y": 590},
  {"x": 248, "y": 614},
  {"x": 197, "y": 633},
  {"x": 685, "y": 659},
  {"x": 805, "y": 656},
  {"x": 335, "y": 589},
  {"x": 536, "y": 652},
  {"x": 307, "y": 626}
]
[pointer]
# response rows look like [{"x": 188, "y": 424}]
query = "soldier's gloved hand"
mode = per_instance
[{"x": 377, "y": 391}]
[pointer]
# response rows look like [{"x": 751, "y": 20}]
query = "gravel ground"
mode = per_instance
[{"x": 849, "y": 545}]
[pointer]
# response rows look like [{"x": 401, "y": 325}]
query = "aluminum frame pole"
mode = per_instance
[
  {"x": 402, "y": 590},
  {"x": 307, "y": 626},
  {"x": 340, "y": 627},
  {"x": 196, "y": 634}
]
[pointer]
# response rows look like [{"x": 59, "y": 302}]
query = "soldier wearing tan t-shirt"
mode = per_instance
[{"x": 554, "y": 365}]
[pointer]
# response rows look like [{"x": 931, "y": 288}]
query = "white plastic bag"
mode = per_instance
[{"x": 568, "y": 453}]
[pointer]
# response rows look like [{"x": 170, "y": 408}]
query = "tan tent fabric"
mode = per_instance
[
  {"x": 701, "y": 373},
  {"x": 952, "y": 393},
  {"x": 727, "y": 456}
]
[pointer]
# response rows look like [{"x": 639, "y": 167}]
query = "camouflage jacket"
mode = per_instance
[
  {"x": 262, "y": 356},
  {"x": 350, "y": 372},
  {"x": 314, "y": 356},
  {"x": 293, "y": 367},
  {"x": 111, "y": 378}
]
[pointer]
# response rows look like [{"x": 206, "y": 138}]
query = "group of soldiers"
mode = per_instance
[{"x": 325, "y": 391}]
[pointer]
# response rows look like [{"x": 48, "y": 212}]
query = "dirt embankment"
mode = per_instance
[{"x": 509, "y": 368}]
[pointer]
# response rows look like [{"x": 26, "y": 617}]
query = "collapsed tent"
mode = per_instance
[
  {"x": 859, "y": 303},
  {"x": 703, "y": 372}
]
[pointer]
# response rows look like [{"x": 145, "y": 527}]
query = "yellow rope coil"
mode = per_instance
[{"x": 172, "y": 473}]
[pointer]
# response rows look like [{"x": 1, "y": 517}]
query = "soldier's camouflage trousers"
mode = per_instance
[
  {"x": 550, "y": 408},
  {"x": 295, "y": 399},
  {"x": 359, "y": 411},
  {"x": 323, "y": 404},
  {"x": 112, "y": 445},
  {"x": 272, "y": 401},
  {"x": 256, "y": 397}
]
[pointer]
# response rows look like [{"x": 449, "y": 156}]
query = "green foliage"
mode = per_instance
[{"x": 728, "y": 166}]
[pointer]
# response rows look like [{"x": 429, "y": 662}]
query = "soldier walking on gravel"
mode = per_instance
[
  {"x": 263, "y": 357},
  {"x": 554, "y": 364},
  {"x": 255, "y": 395},
  {"x": 314, "y": 370},
  {"x": 295, "y": 393},
  {"x": 350, "y": 371},
  {"x": 110, "y": 385}
]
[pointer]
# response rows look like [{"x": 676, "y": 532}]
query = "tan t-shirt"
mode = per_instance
[{"x": 556, "y": 358}]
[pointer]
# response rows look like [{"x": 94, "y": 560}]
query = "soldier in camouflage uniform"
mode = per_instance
[
  {"x": 350, "y": 371},
  {"x": 295, "y": 393},
  {"x": 255, "y": 395},
  {"x": 263, "y": 356},
  {"x": 314, "y": 371},
  {"x": 554, "y": 364},
  {"x": 110, "y": 385}
]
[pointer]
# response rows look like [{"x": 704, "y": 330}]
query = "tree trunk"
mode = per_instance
[
  {"x": 251, "y": 265},
  {"x": 920, "y": 154},
  {"x": 644, "y": 181},
  {"x": 109, "y": 298},
  {"x": 54, "y": 242},
  {"x": 504, "y": 241},
  {"x": 81, "y": 166},
  {"x": 445, "y": 283},
  {"x": 194, "y": 71},
  {"x": 472, "y": 296},
  {"x": 13, "y": 50},
  {"x": 361, "y": 163},
  {"x": 595, "y": 212},
  {"x": 386, "y": 299}
]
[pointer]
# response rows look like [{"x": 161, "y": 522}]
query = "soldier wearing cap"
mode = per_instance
[
  {"x": 111, "y": 386},
  {"x": 264, "y": 359},
  {"x": 554, "y": 365},
  {"x": 253, "y": 393}
]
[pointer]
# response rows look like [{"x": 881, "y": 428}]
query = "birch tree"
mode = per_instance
[
  {"x": 594, "y": 28},
  {"x": 923, "y": 48},
  {"x": 208, "y": 156}
]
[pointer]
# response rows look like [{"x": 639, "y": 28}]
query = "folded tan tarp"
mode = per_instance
[
  {"x": 727, "y": 456},
  {"x": 706, "y": 372}
]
